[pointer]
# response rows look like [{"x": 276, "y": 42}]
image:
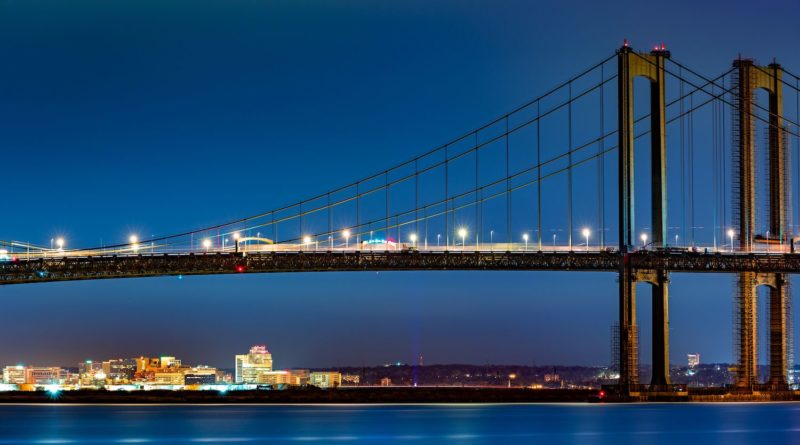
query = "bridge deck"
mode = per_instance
[{"x": 148, "y": 265}]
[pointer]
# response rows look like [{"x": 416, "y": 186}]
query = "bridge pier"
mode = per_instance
[
  {"x": 778, "y": 365},
  {"x": 651, "y": 66},
  {"x": 749, "y": 78},
  {"x": 628, "y": 334},
  {"x": 660, "y": 331}
]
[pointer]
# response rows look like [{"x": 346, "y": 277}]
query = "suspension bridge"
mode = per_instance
[{"x": 547, "y": 186}]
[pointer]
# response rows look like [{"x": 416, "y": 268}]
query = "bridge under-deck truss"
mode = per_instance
[{"x": 640, "y": 263}]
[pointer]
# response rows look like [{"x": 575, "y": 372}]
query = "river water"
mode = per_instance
[{"x": 767, "y": 423}]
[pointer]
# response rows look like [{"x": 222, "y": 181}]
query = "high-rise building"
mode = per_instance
[
  {"x": 248, "y": 366},
  {"x": 694, "y": 360}
]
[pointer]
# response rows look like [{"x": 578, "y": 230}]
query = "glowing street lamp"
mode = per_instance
[
  {"x": 306, "y": 241},
  {"x": 60, "y": 243},
  {"x": 438, "y": 239},
  {"x": 462, "y": 232},
  {"x": 134, "y": 241},
  {"x": 510, "y": 378},
  {"x": 413, "y": 238},
  {"x": 730, "y": 235},
  {"x": 525, "y": 238},
  {"x": 236, "y": 237},
  {"x": 644, "y": 240},
  {"x": 586, "y": 232},
  {"x": 206, "y": 244},
  {"x": 346, "y": 235}
]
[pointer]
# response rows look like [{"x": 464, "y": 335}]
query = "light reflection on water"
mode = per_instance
[{"x": 429, "y": 424}]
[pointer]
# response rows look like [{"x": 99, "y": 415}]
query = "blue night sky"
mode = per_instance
[{"x": 154, "y": 117}]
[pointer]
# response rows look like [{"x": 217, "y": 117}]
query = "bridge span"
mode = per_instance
[{"x": 640, "y": 263}]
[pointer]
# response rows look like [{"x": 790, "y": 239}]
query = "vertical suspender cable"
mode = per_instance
[
  {"x": 538, "y": 174},
  {"x": 386, "y": 187},
  {"x": 477, "y": 222},
  {"x": 330, "y": 219},
  {"x": 683, "y": 158},
  {"x": 358, "y": 214},
  {"x": 715, "y": 162},
  {"x": 569, "y": 168},
  {"x": 691, "y": 164},
  {"x": 416, "y": 197},
  {"x": 723, "y": 134},
  {"x": 446, "y": 199},
  {"x": 601, "y": 180},
  {"x": 508, "y": 189}
]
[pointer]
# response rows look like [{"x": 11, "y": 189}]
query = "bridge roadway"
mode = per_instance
[{"x": 149, "y": 265}]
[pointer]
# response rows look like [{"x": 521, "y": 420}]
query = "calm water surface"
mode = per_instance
[{"x": 421, "y": 424}]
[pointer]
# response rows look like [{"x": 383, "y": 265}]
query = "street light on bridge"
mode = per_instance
[
  {"x": 586, "y": 232},
  {"x": 134, "y": 240},
  {"x": 644, "y": 240},
  {"x": 207, "y": 244},
  {"x": 60, "y": 243},
  {"x": 346, "y": 235},
  {"x": 413, "y": 238},
  {"x": 236, "y": 237},
  {"x": 525, "y": 238},
  {"x": 730, "y": 235},
  {"x": 462, "y": 232},
  {"x": 306, "y": 241}
]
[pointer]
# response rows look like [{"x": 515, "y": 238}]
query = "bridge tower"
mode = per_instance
[
  {"x": 651, "y": 66},
  {"x": 749, "y": 77}
]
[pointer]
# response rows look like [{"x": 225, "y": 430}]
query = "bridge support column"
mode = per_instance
[
  {"x": 651, "y": 66},
  {"x": 749, "y": 78},
  {"x": 628, "y": 334},
  {"x": 660, "y": 331},
  {"x": 777, "y": 333},
  {"x": 746, "y": 373}
]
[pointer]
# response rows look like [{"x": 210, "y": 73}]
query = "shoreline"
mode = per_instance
[{"x": 366, "y": 396}]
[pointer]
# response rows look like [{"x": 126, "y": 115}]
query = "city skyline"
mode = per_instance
[{"x": 136, "y": 107}]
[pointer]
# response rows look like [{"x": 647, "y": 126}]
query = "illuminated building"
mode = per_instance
[
  {"x": 352, "y": 379},
  {"x": 42, "y": 375},
  {"x": 168, "y": 378},
  {"x": 120, "y": 370},
  {"x": 277, "y": 378},
  {"x": 91, "y": 373},
  {"x": 14, "y": 375},
  {"x": 199, "y": 379},
  {"x": 200, "y": 375},
  {"x": 170, "y": 362},
  {"x": 325, "y": 379},
  {"x": 386, "y": 381},
  {"x": 248, "y": 366},
  {"x": 694, "y": 360},
  {"x": 552, "y": 378}
]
